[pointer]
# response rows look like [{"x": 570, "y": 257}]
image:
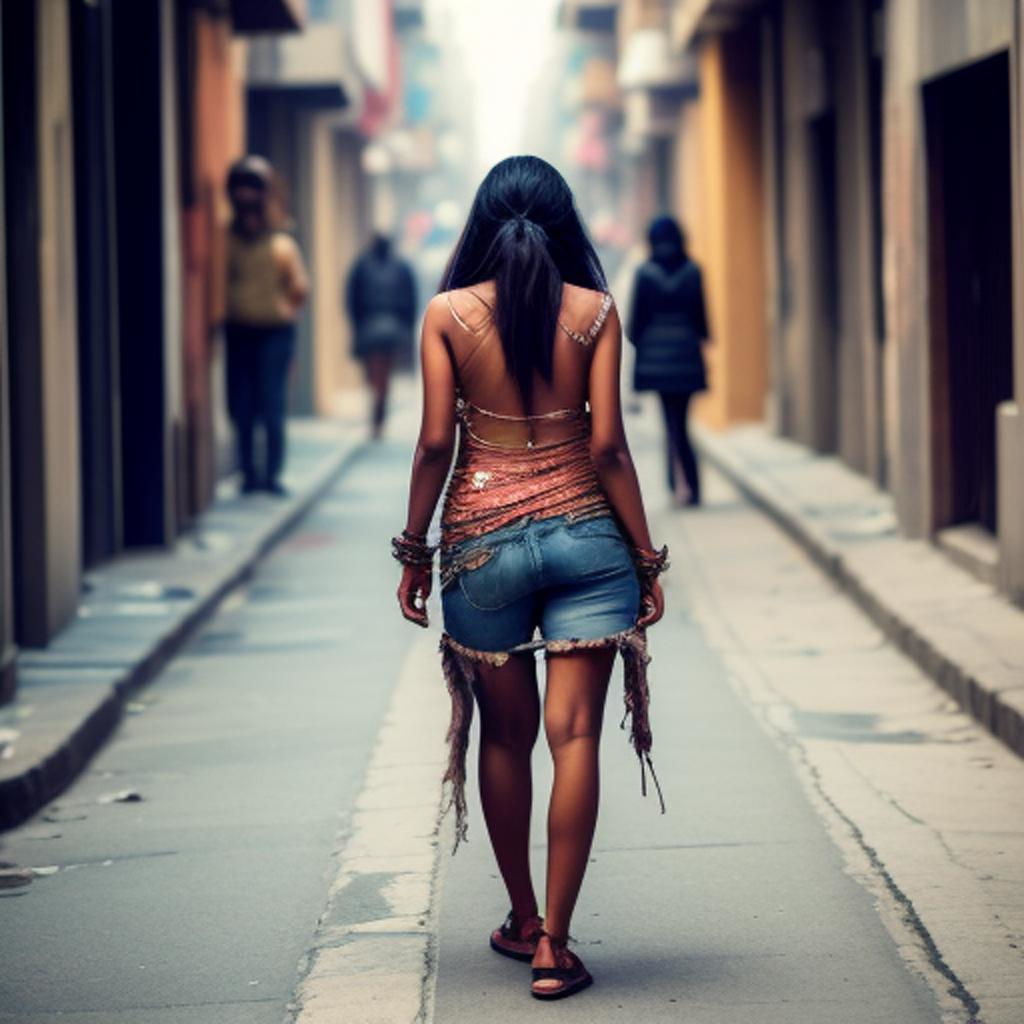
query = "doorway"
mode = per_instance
[{"x": 967, "y": 120}]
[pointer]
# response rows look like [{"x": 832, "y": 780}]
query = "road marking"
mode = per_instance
[{"x": 372, "y": 960}]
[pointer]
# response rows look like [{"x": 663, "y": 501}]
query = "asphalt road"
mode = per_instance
[
  {"x": 733, "y": 906},
  {"x": 196, "y": 904},
  {"x": 841, "y": 843}
]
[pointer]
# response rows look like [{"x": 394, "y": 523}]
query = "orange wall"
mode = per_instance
[
  {"x": 719, "y": 193},
  {"x": 216, "y": 125}
]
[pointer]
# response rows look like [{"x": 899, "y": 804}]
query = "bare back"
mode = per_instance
[{"x": 492, "y": 406}]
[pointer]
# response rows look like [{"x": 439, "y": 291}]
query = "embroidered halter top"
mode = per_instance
[{"x": 494, "y": 484}]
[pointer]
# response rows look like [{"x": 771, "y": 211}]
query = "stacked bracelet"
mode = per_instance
[
  {"x": 412, "y": 549},
  {"x": 650, "y": 564}
]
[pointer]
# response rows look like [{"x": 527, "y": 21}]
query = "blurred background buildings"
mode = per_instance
[
  {"x": 120, "y": 119},
  {"x": 849, "y": 174}
]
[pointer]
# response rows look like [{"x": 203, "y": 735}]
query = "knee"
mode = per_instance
[
  {"x": 564, "y": 727},
  {"x": 516, "y": 735}
]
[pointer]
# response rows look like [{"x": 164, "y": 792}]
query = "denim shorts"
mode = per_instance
[{"x": 572, "y": 580}]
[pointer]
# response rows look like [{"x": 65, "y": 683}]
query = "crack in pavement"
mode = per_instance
[{"x": 711, "y": 613}]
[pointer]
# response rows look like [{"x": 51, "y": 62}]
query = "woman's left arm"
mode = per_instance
[
  {"x": 293, "y": 270},
  {"x": 433, "y": 456}
]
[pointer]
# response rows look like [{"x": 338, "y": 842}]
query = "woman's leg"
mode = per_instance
[
  {"x": 276, "y": 356},
  {"x": 509, "y": 722},
  {"x": 378, "y": 373},
  {"x": 241, "y": 385},
  {"x": 673, "y": 406},
  {"x": 668, "y": 412},
  {"x": 687, "y": 455},
  {"x": 573, "y": 712}
]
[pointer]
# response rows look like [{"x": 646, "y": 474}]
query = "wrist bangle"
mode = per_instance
[
  {"x": 650, "y": 563},
  {"x": 412, "y": 551}
]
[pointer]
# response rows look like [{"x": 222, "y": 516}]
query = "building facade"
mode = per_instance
[
  {"x": 851, "y": 176},
  {"x": 119, "y": 121}
]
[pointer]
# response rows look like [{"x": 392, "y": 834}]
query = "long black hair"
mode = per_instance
[{"x": 525, "y": 233}]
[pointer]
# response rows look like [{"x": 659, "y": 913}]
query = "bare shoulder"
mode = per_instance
[
  {"x": 470, "y": 308},
  {"x": 587, "y": 310},
  {"x": 437, "y": 311}
]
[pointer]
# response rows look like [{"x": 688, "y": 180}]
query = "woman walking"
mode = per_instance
[
  {"x": 543, "y": 529},
  {"x": 668, "y": 325},
  {"x": 267, "y": 286}
]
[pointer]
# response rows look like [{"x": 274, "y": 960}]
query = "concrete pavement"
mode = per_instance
[
  {"x": 135, "y": 612},
  {"x": 842, "y": 842},
  {"x": 956, "y": 626},
  {"x": 196, "y": 903}
]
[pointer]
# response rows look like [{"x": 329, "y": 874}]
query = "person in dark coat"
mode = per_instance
[
  {"x": 668, "y": 325},
  {"x": 381, "y": 300}
]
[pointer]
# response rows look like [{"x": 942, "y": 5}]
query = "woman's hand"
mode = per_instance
[
  {"x": 652, "y": 604},
  {"x": 413, "y": 591}
]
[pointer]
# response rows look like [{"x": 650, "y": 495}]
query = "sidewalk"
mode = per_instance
[
  {"x": 960, "y": 631},
  {"x": 135, "y": 613}
]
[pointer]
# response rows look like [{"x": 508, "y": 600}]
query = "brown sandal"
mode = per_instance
[
  {"x": 517, "y": 939},
  {"x": 571, "y": 975}
]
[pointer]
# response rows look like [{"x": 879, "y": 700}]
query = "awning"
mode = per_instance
[
  {"x": 312, "y": 68},
  {"x": 268, "y": 15},
  {"x": 648, "y": 61}
]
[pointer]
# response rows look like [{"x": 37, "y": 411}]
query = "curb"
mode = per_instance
[
  {"x": 23, "y": 794},
  {"x": 980, "y": 699}
]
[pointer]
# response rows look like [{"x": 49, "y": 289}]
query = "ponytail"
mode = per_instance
[
  {"x": 525, "y": 233},
  {"x": 529, "y": 296}
]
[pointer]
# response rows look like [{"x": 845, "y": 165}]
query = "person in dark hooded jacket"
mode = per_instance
[
  {"x": 381, "y": 299},
  {"x": 668, "y": 325}
]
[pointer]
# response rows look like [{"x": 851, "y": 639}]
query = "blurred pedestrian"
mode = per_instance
[
  {"x": 267, "y": 286},
  {"x": 668, "y": 325},
  {"x": 381, "y": 300}
]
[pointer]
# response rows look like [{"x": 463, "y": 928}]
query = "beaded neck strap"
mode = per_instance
[{"x": 586, "y": 339}]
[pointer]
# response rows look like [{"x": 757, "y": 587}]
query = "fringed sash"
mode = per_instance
[{"x": 460, "y": 663}]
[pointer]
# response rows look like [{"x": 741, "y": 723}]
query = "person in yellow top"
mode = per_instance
[{"x": 267, "y": 286}]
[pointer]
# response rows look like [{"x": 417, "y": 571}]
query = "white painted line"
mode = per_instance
[{"x": 382, "y": 970}]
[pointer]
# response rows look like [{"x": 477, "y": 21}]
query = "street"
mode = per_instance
[
  {"x": 840, "y": 844},
  {"x": 248, "y": 752}
]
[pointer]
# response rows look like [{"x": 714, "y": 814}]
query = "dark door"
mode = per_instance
[
  {"x": 874, "y": 27},
  {"x": 825, "y": 221},
  {"x": 8, "y": 650},
  {"x": 140, "y": 243},
  {"x": 970, "y": 256},
  {"x": 23, "y": 319},
  {"x": 92, "y": 92}
]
